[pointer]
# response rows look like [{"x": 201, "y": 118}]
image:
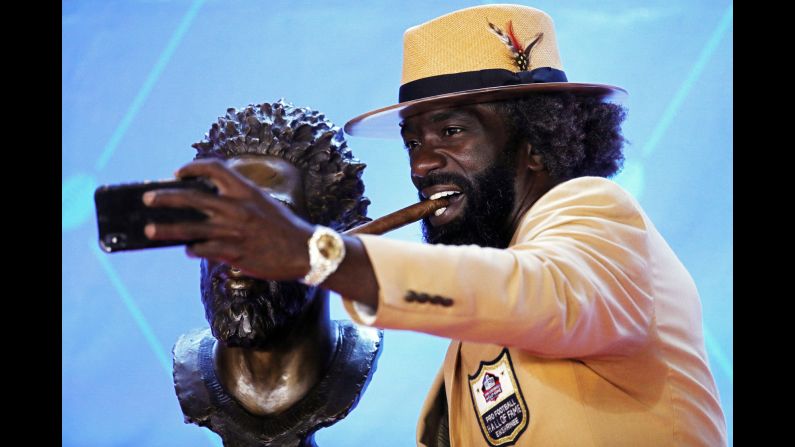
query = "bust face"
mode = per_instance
[
  {"x": 276, "y": 176},
  {"x": 248, "y": 312}
]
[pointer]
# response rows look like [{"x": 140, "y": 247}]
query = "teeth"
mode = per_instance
[
  {"x": 443, "y": 194},
  {"x": 439, "y": 211}
]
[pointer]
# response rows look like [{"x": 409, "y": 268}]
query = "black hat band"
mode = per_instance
[{"x": 471, "y": 80}]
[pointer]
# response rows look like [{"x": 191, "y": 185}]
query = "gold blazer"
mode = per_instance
[{"x": 586, "y": 331}]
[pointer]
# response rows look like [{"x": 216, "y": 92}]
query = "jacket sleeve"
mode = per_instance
[{"x": 574, "y": 283}]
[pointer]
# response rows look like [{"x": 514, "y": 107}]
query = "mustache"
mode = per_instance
[
  {"x": 254, "y": 289},
  {"x": 444, "y": 178},
  {"x": 221, "y": 273}
]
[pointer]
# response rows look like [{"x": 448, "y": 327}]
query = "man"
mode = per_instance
[
  {"x": 272, "y": 368},
  {"x": 572, "y": 321}
]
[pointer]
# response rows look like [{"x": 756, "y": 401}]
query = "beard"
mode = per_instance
[
  {"x": 259, "y": 316},
  {"x": 490, "y": 199}
]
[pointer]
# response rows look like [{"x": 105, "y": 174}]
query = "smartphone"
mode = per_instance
[{"x": 122, "y": 215}]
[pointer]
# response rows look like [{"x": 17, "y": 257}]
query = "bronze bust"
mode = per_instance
[{"x": 273, "y": 368}]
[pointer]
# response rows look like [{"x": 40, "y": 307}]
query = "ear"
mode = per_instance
[{"x": 531, "y": 158}]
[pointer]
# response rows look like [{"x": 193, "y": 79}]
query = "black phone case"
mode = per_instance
[{"x": 121, "y": 214}]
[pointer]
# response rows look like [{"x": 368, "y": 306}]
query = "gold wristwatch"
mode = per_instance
[{"x": 326, "y": 252}]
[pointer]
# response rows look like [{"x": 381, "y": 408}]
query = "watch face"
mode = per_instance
[{"x": 328, "y": 247}]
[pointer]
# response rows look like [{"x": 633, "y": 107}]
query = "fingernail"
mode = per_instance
[
  {"x": 149, "y": 230},
  {"x": 149, "y": 197}
]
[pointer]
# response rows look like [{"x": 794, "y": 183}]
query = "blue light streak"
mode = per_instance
[
  {"x": 679, "y": 98},
  {"x": 150, "y": 82}
]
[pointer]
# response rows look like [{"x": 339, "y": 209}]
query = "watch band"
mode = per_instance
[{"x": 326, "y": 252}]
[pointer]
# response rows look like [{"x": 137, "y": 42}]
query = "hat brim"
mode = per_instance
[{"x": 384, "y": 122}]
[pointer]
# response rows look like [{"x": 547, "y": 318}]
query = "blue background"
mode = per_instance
[{"x": 144, "y": 79}]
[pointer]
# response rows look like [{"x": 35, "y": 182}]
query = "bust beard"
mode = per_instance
[{"x": 259, "y": 316}]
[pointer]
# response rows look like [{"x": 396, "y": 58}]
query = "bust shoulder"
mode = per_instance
[{"x": 205, "y": 402}]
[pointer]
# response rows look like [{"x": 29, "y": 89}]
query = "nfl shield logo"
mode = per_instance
[{"x": 491, "y": 387}]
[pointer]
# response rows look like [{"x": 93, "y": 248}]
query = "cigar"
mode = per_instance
[{"x": 399, "y": 218}]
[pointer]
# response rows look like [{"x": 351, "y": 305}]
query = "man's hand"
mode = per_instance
[{"x": 246, "y": 227}]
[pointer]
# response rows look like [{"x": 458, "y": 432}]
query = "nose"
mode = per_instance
[{"x": 424, "y": 160}]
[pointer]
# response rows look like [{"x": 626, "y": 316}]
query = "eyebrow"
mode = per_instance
[
  {"x": 436, "y": 117},
  {"x": 447, "y": 114}
]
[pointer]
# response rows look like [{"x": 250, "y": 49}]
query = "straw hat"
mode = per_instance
[{"x": 479, "y": 54}]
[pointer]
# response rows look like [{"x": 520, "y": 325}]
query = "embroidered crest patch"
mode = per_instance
[{"x": 498, "y": 401}]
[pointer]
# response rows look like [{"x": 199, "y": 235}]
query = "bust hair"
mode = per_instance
[{"x": 331, "y": 176}]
